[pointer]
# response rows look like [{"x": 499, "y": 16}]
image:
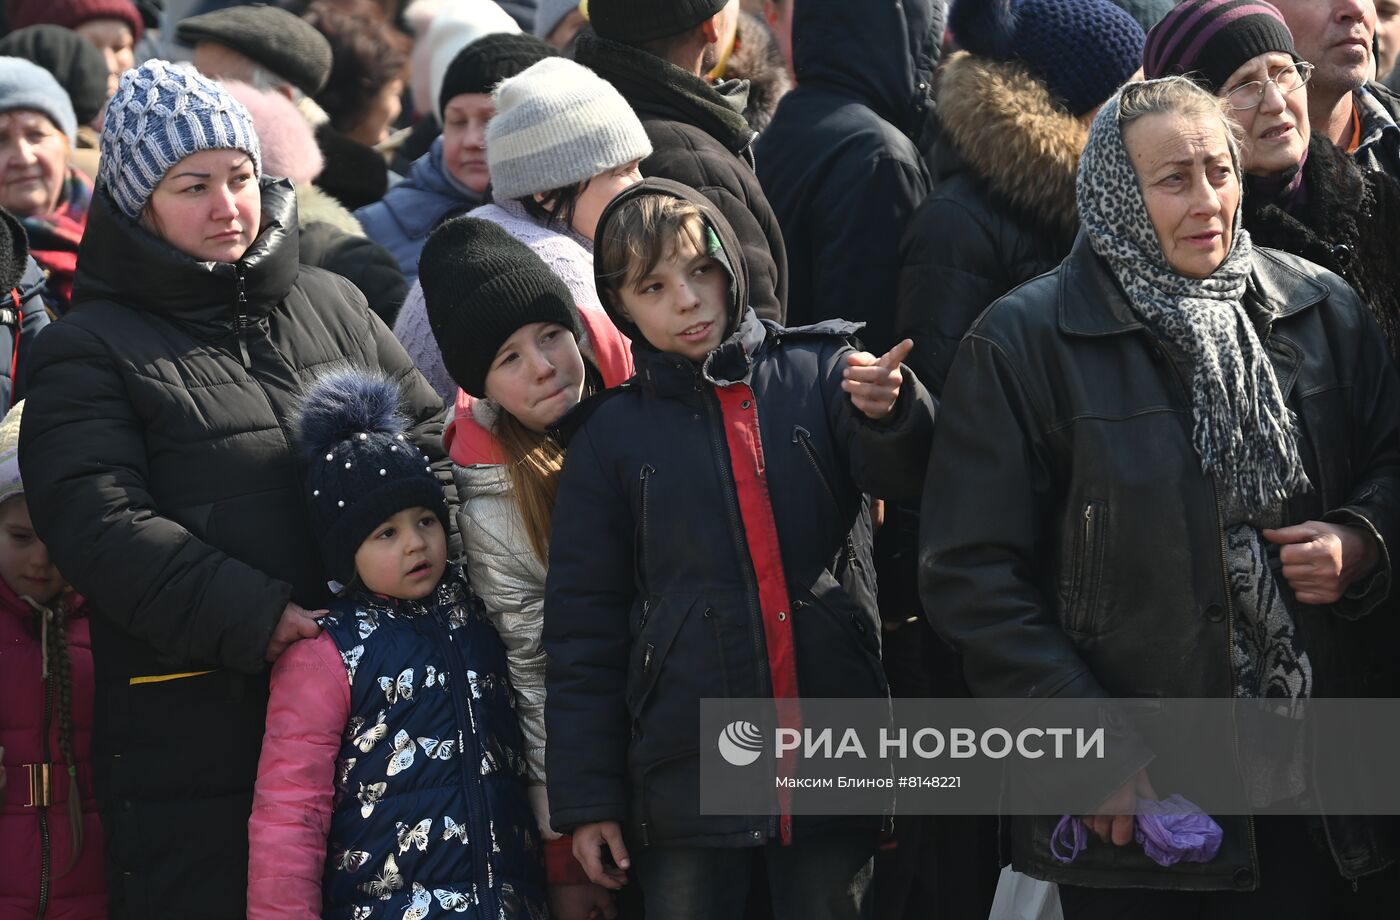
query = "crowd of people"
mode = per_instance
[{"x": 412, "y": 411}]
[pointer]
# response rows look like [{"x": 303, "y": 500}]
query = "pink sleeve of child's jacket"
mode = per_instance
[{"x": 306, "y": 716}]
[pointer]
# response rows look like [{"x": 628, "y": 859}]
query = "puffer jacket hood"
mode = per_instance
[
  {"x": 883, "y": 52},
  {"x": 404, "y": 218},
  {"x": 728, "y": 243},
  {"x": 121, "y": 261},
  {"x": 1009, "y": 132}
]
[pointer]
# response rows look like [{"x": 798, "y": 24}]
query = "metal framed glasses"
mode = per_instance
[{"x": 1287, "y": 79}]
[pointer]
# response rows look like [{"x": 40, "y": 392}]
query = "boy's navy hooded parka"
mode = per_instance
[{"x": 711, "y": 539}]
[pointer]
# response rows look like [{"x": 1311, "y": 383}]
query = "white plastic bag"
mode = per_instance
[{"x": 1020, "y": 897}]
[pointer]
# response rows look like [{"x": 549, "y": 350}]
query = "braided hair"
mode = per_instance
[{"x": 58, "y": 669}]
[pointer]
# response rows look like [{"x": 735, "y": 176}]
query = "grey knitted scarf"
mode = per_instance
[{"x": 1243, "y": 432}]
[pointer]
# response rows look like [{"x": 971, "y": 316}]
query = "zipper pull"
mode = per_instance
[
  {"x": 646, "y": 659},
  {"x": 241, "y": 322},
  {"x": 646, "y": 612}
]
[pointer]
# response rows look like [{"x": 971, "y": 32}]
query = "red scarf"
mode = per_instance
[{"x": 54, "y": 238}]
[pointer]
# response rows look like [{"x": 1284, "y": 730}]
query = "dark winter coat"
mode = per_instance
[
  {"x": 839, "y": 162},
  {"x": 664, "y": 573},
  {"x": 1348, "y": 222},
  {"x": 1002, "y": 211},
  {"x": 699, "y": 138},
  {"x": 1073, "y": 548},
  {"x": 160, "y": 474},
  {"x": 404, "y": 219}
]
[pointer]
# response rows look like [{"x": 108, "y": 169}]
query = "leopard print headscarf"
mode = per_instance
[{"x": 1243, "y": 432}]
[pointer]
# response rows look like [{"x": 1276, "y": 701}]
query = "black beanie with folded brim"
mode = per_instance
[
  {"x": 483, "y": 64},
  {"x": 632, "y": 22},
  {"x": 480, "y": 285}
]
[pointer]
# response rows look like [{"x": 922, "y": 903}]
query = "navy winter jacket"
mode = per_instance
[{"x": 711, "y": 539}]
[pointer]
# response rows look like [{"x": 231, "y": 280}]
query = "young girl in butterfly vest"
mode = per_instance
[{"x": 391, "y": 782}]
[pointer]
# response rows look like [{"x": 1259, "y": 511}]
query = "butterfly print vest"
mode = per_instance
[{"x": 431, "y": 817}]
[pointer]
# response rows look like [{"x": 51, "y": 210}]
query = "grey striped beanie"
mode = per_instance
[
  {"x": 162, "y": 113},
  {"x": 558, "y": 123}
]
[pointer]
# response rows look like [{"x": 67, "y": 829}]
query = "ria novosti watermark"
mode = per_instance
[
  {"x": 741, "y": 743},
  {"x": 1046, "y": 756}
]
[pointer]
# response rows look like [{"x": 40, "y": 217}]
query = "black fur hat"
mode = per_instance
[
  {"x": 361, "y": 467},
  {"x": 14, "y": 252}
]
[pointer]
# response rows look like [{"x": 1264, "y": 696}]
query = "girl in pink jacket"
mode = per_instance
[{"x": 391, "y": 781}]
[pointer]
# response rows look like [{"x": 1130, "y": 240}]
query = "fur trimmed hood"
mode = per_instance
[
  {"x": 1011, "y": 133},
  {"x": 758, "y": 59},
  {"x": 315, "y": 206}
]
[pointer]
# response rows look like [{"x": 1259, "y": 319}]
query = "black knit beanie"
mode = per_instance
[
  {"x": 75, "y": 63},
  {"x": 480, "y": 284},
  {"x": 14, "y": 254},
  {"x": 487, "y": 61},
  {"x": 634, "y": 21},
  {"x": 361, "y": 466}
]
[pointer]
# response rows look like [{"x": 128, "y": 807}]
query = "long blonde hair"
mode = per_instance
[{"x": 533, "y": 463}]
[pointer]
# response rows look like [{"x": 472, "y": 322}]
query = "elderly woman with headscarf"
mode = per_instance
[
  {"x": 1170, "y": 468},
  {"x": 1302, "y": 194}
]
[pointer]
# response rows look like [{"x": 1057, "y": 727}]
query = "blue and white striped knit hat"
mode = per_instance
[{"x": 162, "y": 113}]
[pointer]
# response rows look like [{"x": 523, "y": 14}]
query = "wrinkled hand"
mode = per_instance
[
  {"x": 1112, "y": 821},
  {"x": 1321, "y": 561},
  {"x": 589, "y": 842},
  {"x": 873, "y": 383},
  {"x": 296, "y": 623},
  {"x": 581, "y": 902}
]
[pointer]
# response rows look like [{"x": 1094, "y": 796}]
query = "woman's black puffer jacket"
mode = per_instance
[{"x": 159, "y": 472}]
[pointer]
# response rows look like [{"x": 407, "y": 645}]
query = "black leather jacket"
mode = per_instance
[{"x": 1072, "y": 546}]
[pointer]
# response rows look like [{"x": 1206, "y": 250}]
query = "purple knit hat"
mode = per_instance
[{"x": 1210, "y": 39}]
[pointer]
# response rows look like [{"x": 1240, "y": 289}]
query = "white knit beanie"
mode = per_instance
[
  {"x": 454, "y": 26},
  {"x": 557, "y": 124},
  {"x": 162, "y": 113}
]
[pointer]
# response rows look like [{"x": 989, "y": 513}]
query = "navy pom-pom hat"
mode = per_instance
[
  {"x": 361, "y": 466},
  {"x": 1082, "y": 50}
]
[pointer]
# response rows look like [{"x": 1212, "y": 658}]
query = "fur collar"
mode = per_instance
[
  {"x": 314, "y": 206},
  {"x": 758, "y": 59},
  {"x": 1014, "y": 136}
]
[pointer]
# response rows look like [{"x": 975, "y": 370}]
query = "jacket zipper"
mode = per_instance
[
  {"x": 241, "y": 322},
  {"x": 471, "y": 773},
  {"x": 736, "y": 531},
  {"x": 803, "y": 437},
  {"x": 647, "y": 472},
  {"x": 1229, "y": 629},
  {"x": 1084, "y": 593}
]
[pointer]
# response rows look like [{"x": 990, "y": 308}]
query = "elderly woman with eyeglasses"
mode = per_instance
[
  {"x": 1171, "y": 469},
  {"x": 1302, "y": 194}
]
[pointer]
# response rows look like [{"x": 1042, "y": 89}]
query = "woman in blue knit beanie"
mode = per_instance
[{"x": 164, "y": 480}]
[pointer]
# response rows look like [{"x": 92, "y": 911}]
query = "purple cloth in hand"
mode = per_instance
[
  {"x": 1168, "y": 831},
  {"x": 1175, "y": 829}
]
